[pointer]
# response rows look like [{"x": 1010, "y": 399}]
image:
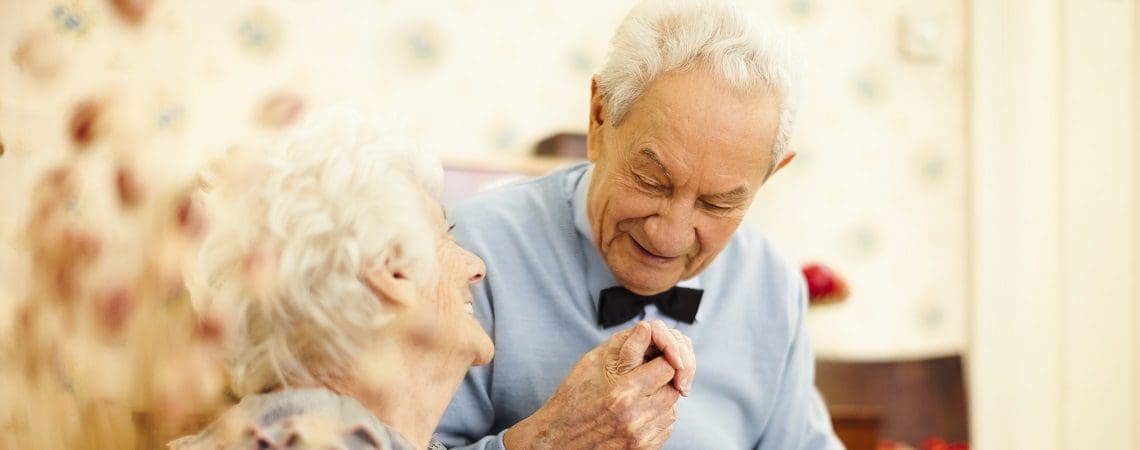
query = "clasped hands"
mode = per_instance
[{"x": 621, "y": 394}]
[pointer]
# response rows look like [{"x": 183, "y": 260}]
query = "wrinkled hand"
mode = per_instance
[{"x": 619, "y": 395}]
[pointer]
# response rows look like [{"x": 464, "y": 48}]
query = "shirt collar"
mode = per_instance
[
  {"x": 578, "y": 202},
  {"x": 598, "y": 274}
]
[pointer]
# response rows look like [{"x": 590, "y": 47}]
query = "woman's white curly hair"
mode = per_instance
[
  {"x": 662, "y": 36},
  {"x": 286, "y": 248}
]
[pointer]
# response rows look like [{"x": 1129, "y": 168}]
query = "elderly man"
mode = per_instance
[{"x": 688, "y": 118}]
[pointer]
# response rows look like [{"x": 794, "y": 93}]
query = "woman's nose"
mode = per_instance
[{"x": 476, "y": 266}]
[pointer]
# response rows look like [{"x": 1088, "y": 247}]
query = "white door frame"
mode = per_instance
[{"x": 1054, "y": 224}]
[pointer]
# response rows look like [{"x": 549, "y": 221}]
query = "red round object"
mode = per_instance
[
  {"x": 821, "y": 281},
  {"x": 933, "y": 443}
]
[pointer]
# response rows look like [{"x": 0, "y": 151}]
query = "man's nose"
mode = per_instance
[{"x": 671, "y": 232}]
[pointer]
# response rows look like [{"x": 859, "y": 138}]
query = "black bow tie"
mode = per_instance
[{"x": 618, "y": 305}]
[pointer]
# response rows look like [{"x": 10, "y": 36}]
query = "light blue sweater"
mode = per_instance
[{"x": 754, "y": 383}]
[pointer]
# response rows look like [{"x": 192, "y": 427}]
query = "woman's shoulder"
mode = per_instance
[{"x": 295, "y": 418}]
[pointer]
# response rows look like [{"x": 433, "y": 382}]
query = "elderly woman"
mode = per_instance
[{"x": 350, "y": 301}]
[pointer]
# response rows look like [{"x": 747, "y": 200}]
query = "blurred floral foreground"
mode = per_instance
[{"x": 105, "y": 350}]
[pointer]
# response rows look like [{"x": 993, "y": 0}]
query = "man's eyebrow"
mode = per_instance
[
  {"x": 653, "y": 157},
  {"x": 739, "y": 193}
]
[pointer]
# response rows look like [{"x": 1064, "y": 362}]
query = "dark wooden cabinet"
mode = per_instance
[{"x": 902, "y": 401}]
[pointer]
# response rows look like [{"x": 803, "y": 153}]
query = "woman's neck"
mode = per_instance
[{"x": 415, "y": 392}]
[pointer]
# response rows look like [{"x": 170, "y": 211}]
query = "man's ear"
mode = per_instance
[
  {"x": 784, "y": 162},
  {"x": 390, "y": 285},
  {"x": 597, "y": 120}
]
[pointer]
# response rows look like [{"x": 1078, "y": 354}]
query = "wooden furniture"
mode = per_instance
[
  {"x": 907, "y": 400},
  {"x": 856, "y": 426},
  {"x": 567, "y": 145}
]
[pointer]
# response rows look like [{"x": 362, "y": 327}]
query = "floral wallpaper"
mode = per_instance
[{"x": 877, "y": 191}]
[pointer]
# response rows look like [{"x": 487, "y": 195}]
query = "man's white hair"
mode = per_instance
[
  {"x": 285, "y": 251},
  {"x": 662, "y": 36}
]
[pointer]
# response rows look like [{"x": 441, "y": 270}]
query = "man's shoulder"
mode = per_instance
[
  {"x": 750, "y": 252},
  {"x": 751, "y": 247}
]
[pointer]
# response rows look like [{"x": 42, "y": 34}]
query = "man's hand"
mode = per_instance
[{"x": 619, "y": 395}]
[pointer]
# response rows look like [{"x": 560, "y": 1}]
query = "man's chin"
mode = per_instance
[
  {"x": 647, "y": 287},
  {"x": 643, "y": 280}
]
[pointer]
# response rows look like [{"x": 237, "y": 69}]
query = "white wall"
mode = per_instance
[
  {"x": 1097, "y": 227},
  {"x": 877, "y": 191},
  {"x": 1136, "y": 223},
  {"x": 1053, "y": 347}
]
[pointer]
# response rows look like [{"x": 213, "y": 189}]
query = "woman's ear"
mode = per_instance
[{"x": 390, "y": 285}]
